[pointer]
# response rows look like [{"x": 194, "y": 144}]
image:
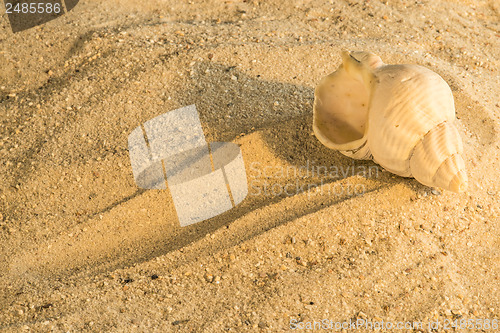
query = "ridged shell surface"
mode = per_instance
[
  {"x": 408, "y": 102},
  {"x": 401, "y": 116}
]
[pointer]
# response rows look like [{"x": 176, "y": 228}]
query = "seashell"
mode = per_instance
[{"x": 400, "y": 116}]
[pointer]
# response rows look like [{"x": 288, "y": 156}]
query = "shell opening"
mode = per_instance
[
  {"x": 341, "y": 104},
  {"x": 341, "y": 109}
]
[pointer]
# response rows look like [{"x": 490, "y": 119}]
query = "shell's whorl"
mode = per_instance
[
  {"x": 401, "y": 116},
  {"x": 436, "y": 160}
]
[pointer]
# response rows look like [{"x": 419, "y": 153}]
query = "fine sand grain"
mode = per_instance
[{"x": 83, "y": 249}]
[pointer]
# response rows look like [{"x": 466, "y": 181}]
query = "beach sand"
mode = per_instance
[{"x": 82, "y": 248}]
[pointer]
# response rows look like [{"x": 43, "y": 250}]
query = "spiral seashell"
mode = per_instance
[{"x": 400, "y": 116}]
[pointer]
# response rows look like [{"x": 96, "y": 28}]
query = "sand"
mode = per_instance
[{"x": 83, "y": 249}]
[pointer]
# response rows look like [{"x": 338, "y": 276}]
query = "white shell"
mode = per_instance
[{"x": 401, "y": 116}]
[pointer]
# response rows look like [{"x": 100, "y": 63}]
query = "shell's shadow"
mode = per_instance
[{"x": 282, "y": 115}]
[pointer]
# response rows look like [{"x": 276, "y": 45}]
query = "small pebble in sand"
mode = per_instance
[{"x": 435, "y": 192}]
